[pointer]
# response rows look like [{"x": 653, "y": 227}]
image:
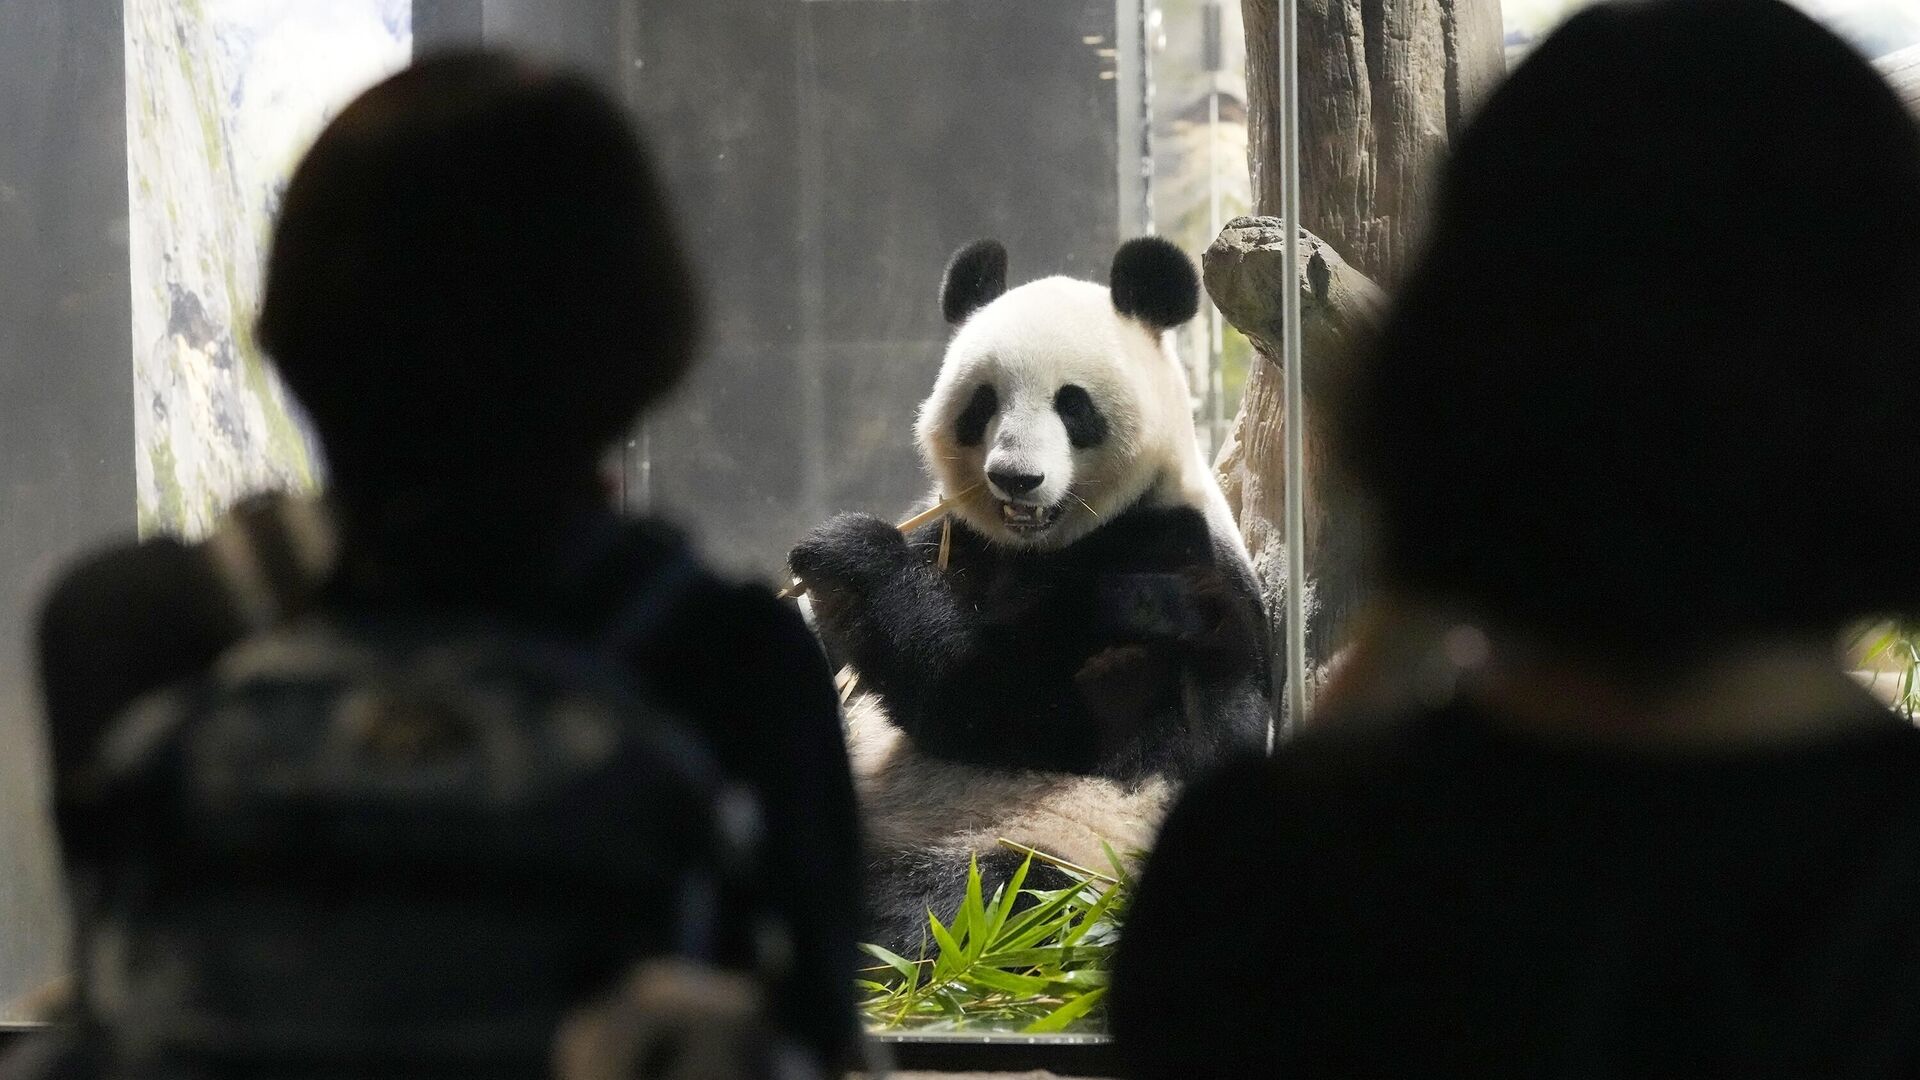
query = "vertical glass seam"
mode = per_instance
[{"x": 1293, "y": 413}]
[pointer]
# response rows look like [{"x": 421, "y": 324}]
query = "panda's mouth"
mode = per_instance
[{"x": 1021, "y": 518}]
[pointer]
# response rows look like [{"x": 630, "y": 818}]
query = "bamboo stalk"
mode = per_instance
[
  {"x": 846, "y": 682},
  {"x": 799, "y": 588},
  {"x": 1036, "y": 853}
]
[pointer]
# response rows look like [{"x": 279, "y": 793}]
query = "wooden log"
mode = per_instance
[{"x": 1244, "y": 271}]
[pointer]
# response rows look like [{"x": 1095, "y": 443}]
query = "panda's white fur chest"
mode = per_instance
[{"x": 916, "y": 802}]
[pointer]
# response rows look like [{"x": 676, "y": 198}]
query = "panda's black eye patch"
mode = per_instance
[
  {"x": 1086, "y": 427},
  {"x": 972, "y": 425}
]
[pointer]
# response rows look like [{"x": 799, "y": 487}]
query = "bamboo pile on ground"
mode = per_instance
[{"x": 1027, "y": 959}]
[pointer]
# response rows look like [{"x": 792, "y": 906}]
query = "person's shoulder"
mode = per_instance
[
  {"x": 707, "y": 604},
  {"x": 120, "y": 623},
  {"x": 1361, "y": 750},
  {"x": 1354, "y": 770},
  {"x": 742, "y": 664},
  {"x": 131, "y": 564},
  {"x": 128, "y": 584}
]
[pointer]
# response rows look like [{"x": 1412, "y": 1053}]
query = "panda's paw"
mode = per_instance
[
  {"x": 1219, "y": 617},
  {"x": 849, "y": 551}
]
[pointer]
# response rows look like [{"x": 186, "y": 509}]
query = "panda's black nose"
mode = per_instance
[{"x": 1014, "y": 483}]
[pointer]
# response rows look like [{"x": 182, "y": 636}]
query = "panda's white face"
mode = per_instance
[{"x": 1057, "y": 410}]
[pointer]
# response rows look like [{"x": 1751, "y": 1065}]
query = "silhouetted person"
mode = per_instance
[
  {"x": 1627, "y": 437},
  {"x": 475, "y": 287}
]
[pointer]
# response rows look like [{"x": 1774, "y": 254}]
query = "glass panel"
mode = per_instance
[
  {"x": 62, "y": 195},
  {"x": 830, "y": 156},
  {"x": 1199, "y": 106},
  {"x": 827, "y": 155}
]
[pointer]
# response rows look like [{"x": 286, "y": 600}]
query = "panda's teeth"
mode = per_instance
[{"x": 1026, "y": 517}]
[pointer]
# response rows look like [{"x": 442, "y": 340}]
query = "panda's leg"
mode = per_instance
[
  {"x": 904, "y": 887},
  {"x": 997, "y": 869},
  {"x": 908, "y": 886}
]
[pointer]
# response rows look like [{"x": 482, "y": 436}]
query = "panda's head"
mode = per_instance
[{"x": 1056, "y": 402}]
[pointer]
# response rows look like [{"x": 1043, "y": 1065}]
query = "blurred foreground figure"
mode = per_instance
[
  {"x": 1625, "y": 439},
  {"x": 389, "y": 785}
]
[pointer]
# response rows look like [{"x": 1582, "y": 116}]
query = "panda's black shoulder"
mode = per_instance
[
  {"x": 925, "y": 540},
  {"x": 1154, "y": 537}
]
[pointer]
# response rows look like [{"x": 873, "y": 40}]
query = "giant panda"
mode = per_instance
[{"x": 1095, "y": 638}]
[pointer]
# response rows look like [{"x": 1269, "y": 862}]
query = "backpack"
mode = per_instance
[{"x": 408, "y": 846}]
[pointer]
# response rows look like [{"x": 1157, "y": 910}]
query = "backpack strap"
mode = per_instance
[
  {"x": 653, "y": 602},
  {"x": 595, "y": 561},
  {"x": 272, "y": 553}
]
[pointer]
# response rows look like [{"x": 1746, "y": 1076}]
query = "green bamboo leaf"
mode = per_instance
[
  {"x": 1004, "y": 902},
  {"x": 1007, "y": 981},
  {"x": 973, "y": 914},
  {"x": 951, "y": 955},
  {"x": 1060, "y": 1018},
  {"x": 1050, "y": 910},
  {"x": 893, "y": 960},
  {"x": 1038, "y": 934},
  {"x": 1047, "y": 956},
  {"x": 1880, "y": 646},
  {"x": 950, "y": 1005},
  {"x": 1041, "y": 968},
  {"x": 1091, "y": 918}
]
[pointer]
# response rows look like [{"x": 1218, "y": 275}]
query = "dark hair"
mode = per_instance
[
  {"x": 474, "y": 267},
  {"x": 1651, "y": 384}
]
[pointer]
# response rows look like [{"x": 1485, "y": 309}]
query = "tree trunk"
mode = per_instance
[
  {"x": 1383, "y": 85},
  {"x": 1245, "y": 270}
]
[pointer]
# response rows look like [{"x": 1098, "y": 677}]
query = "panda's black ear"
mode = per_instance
[
  {"x": 1153, "y": 281},
  {"x": 976, "y": 276}
]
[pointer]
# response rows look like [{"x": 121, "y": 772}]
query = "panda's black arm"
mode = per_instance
[
  {"x": 1174, "y": 710},
  {"x": 1231, "y": 665},
  {"x": 994, "y": 695},
  {"x": 1213, "y": 649},
  {"x": 1173, "y": 697},
  {"x": 959, "y": 688},
  {"x": 1236, "y": 712},
  {"x": 880, "y": 606}
]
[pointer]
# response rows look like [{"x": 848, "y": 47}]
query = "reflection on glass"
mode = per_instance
[{"x": 222, "y": 98}]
